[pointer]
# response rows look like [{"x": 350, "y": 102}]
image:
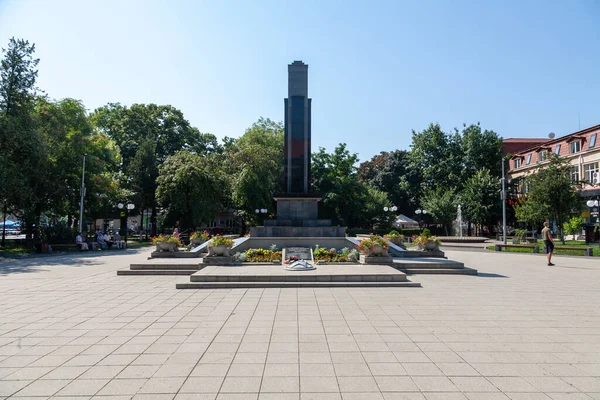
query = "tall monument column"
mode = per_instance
[
  {"x": 297, "y": 130},
  {"x": 298, "y": 205}
]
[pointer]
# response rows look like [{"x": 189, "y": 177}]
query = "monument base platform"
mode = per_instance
[{"x": 298, "y": 231}]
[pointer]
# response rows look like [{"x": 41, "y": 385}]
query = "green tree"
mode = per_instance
[
  {"x": 552, "y": 191},
  {"x": 18, "y": 74},
  {"x": 479, "y": 198},
  {"x": 189, "y": 190},
  {"x": 392, "y": 173},
  {"x": 441, "y": 204},
  {"x": 438, "y": 156},
  {"x": 574, "y": 225},
  {"x": 132, "y": 128},
  {"x": 530, "y": 212},
  {"x": 254, "y": 163},
  {"x": 480, "y": 150}
]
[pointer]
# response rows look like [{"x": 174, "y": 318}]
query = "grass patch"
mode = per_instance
[
  {"x": 15, "y": 251},
  {"x": 557, "y": 248}
]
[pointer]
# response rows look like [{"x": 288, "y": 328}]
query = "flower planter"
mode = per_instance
[
  {"x": 166, "y": 246},
  {"x": 197, "y": 242},
  {"x": 378, "y": 250},
  {"x": 219, "y": 251},
  {"x": 398, "y": 242},
  {"x": 432, "y": 245}
]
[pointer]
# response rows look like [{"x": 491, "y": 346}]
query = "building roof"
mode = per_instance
[{"x": 550, "y": 142}]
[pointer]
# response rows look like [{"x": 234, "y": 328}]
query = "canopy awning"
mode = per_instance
[{"x": 403, "y": 220}]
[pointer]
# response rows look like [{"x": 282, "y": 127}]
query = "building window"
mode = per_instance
[
  {"x": 593, "y": 141},
  {"x": 575, "y": 146},
  {"x": 528, "y": 159},
  {"x": 557, "y": 150},
  {"x": 574, "y": 174},
  {"x": 525, "y": 187},
  {"x": 518, "y": 163},
  {"x": 542, "y": 155},
  {"x": 589, "y": 170}
]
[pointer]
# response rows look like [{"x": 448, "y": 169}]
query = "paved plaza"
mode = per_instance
[{"x": 70, "y": 328}]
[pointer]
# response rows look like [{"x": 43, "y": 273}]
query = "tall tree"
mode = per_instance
[
  {"x": 393, "y": 174},
  {"x": 347, "y": 201},
  {"x": 481, "y": 150},
  {"x": 438, "y": 156},
  {"x": 255, "y": 165},
  {"x": 441, "y": 203},
  {"x": 136, "y": 126},
  {"x": 189, "y": 190},
  {"x": 18, "y": 74},
  {"x": 479, "y": 199},
  {"x": 552, "y": 191}
]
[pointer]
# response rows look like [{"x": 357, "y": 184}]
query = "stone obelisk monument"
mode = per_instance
[{"x": 297, "y": 208}]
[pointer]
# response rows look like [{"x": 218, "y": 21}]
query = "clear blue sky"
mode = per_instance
[{"x": 377, "y": 69}]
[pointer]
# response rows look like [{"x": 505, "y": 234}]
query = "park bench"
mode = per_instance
[
  {"x": 498, "y": 247},
  {"x": 587, "y": 251}
]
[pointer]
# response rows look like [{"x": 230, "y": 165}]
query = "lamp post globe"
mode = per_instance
[
  {"x": 257, "y": 211},
  {"x": 590, "y": 203},
  {"x": 385, "y": 209}
]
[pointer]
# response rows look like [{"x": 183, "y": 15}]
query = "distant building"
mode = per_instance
[
  {"x": 514, "y": 145},
  {"x": 581, "y": 149}
]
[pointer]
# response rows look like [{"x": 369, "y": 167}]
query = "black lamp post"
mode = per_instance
[{"x": 125, "y": 214}]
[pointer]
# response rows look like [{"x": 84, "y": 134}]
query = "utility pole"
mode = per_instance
[
  {"x": 503, "y": 196},
  {"x": 82, "y": 195}
]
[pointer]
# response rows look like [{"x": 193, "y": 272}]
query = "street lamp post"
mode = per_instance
[
  {"x": 127, "y": 207},
  {"x": 419, "y": 212},
  {"x": 82, "y": 194},
  {"x": 593, "y": 205},
  {"x": 391, "y": 209}
]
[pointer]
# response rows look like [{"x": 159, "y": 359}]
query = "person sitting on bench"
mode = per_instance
[
  {"x": 83, "y": 246},
  {"x": 100, "y": 240},
  {"x": 117, "y": 240},
  {"x": 108, "y": 240}
]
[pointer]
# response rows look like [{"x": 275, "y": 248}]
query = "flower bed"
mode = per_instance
[
  {"x": 262, "y": 255},
  {"x": 373, "y": 246},
  {"x": 220, "y": 241},
  {"x": 333, "y": 256},
  {"x": 166, "y": 239}
]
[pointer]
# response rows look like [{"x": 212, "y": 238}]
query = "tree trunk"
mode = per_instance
[
  {"x": 4, "y": 225},
  {"x": 153, "y": 220},
  {"x": 469, "y": 231}
]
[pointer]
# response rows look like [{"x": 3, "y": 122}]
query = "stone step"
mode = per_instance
[
  {"x": 175, "y": 254},
  {"x": 263, "y": 284},
  {"x": 156, "y": 271},
  {"x": 429, "y": 265},
  {"x": 440, "y": 271},
  {"x": 165, "y": 266},
  {"x": 288, "y": 278}
]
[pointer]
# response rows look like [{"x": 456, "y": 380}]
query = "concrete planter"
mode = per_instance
[
  {"x": 431, "y": 246},
  {"x": 378, "y": 251},
  {"x": 166, "y": 246},
  {"x": 219, "y": 251},
  {"x": 197, "y": 242},
  {"x": 398, "y": 242}
]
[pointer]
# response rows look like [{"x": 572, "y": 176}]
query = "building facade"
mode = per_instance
[{"x": 581, "y": 149}]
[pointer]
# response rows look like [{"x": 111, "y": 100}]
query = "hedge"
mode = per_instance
[{"x": 381, "y": 232}]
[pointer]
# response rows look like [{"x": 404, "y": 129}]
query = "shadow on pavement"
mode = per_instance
[
  {"x": 488, "y": 275},
  {"x": 31, "y": 263}
]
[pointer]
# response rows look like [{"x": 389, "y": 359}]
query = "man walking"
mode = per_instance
[{"x": 548, "y": 241}]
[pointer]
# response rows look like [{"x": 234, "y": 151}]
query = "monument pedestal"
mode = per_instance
[{"x": 297, "y": 216}]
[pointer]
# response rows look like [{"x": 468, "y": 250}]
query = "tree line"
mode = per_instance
[{"x": 150, "y": 155}]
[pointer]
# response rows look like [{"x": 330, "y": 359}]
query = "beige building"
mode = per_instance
[{"x": 581, "y": 149}]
